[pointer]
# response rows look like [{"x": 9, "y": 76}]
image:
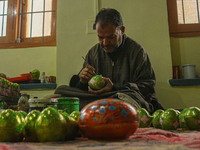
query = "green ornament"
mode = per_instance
[
  {"x": 64, "y": 113},
  {"x": 35, "y": 74},
  {"x": 182, "y": 121},
  {"x": 21, "y": 116},
  {"x": 50, "y": 126},
  {"x": 169, "y": 119},
  {"x": 156, "y": 118},
  {"x": 192, "y": 118},
  {"x": 96, "y": 82},
  {"x": 11, "y": 127},
  {"x": 144, "y": 117},
  {"x": 24, "y": 114},
  {"x": 29, "y": 126},
  {"x": 75, "y": 115}
]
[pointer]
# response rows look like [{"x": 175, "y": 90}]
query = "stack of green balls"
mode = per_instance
[{"x": 50, "y": 125}]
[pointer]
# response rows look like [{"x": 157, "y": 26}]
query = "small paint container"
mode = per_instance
[
  {"x": 38, "y": 103},
  {"x": 69, "y": 104},
  {"x": 189, "y": 71}
]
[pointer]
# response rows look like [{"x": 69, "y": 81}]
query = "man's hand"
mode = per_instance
[
  {"x": 86, "y": 74},
  {"x": 107, "y": 88}
]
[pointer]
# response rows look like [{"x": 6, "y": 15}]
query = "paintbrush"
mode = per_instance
[{"x": 88, "y": 64}]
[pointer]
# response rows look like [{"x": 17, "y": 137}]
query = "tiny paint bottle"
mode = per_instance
[{"x": 43, "y": 77}]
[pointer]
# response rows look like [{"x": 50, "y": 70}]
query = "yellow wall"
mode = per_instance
[
  {"x": 14, "y": 62},
  {"x": 186, "y": 51}
]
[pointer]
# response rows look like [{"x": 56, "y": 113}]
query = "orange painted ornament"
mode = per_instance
[{"x": 108, "y": 119}]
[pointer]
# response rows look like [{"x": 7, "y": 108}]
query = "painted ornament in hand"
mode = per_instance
[
  {"x": 96, "y": 82},
  {"x": 108, "y": 119}
]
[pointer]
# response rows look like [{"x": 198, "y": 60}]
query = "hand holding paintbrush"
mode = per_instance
[
  {"x": 86, "y": 73},
  {"x": 97, "y": 84},
  {"x": 88, "y": 64}
]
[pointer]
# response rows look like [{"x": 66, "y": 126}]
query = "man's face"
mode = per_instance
[{"x": 110, "y": 36}]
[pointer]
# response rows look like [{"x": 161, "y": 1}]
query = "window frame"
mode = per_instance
[
  {"x": 180, "y": 30},
  {"x": 12, "y": 32},
  {"x": 11, "y": 21}
]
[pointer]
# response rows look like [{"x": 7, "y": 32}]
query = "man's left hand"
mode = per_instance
[{"x": 107, "y": 88}]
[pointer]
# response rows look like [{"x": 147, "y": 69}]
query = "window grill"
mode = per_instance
[
  {"x": 31, "y": 13},
  {"x": 188, "y": 11},
  {"x": 3, "y": 16}
]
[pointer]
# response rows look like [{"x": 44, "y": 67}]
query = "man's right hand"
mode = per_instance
[{"x": 86, "y": 74}]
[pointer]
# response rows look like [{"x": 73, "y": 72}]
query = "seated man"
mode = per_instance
[{"x": 122, "y": 62}]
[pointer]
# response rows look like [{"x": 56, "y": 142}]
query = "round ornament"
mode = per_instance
[
  {"x": 156, "y": 118},
  {"x": 182, "y": 121},
  {"x": 108, "y": 119},
  {"x": 29, "y": 126},
  {"x": 50, "y": 126},
  {"x": 96, "y": 82},
  {"x": 169, "y": 119},
  {"x": 192, "y": 118},
  {"x": 144, "y": 117},
  {"x": 11, "y": 127}
]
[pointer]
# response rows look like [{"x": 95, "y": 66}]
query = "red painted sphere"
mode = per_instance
[{"x": 108, "y": 119}]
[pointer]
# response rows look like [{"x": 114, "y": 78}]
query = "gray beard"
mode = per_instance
[{"x": 113, "y": 50}]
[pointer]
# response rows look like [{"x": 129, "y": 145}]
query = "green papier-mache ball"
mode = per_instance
[
  {"x": 156, "y": 118},
  {"x": 96, "y": 82},
  {"x": 169, "y": 119},
  {"x": 144, "y": 117}
]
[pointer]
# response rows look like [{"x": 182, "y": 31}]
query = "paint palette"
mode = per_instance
[{"x": 108, "y": 119}]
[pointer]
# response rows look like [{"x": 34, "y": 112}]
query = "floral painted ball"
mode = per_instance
[
  {"x": 108, "y": 119},
  {"x": 96, "y": 82},
  {"x": 192, "y": 118},
  {"x": 144, "y": 117},
  {"x": 169, "y": 119},
  {"x": 156, "y": 118},
  {"x": 182, "y": 121}
]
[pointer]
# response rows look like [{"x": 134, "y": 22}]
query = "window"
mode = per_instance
[
  {"x": 3, "y": 17},
  {"x": 27, "y": 23},
  {"x": 184, "y": 17}
]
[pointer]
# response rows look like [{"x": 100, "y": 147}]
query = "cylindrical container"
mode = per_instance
[
  {"x": 69, "y": 104},
  {"x": 176, "y": 72},
  {"x": 53, "y": 103},
  {"x": 189, "y": 71},
  {"x": 43, "y": 78},
  {"x": 38, "y": 103}
]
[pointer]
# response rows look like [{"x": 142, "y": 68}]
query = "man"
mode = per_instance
[{"x": 122, "y": 62}]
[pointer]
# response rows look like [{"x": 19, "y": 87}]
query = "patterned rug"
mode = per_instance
[{"x": 143, "y": 139}]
